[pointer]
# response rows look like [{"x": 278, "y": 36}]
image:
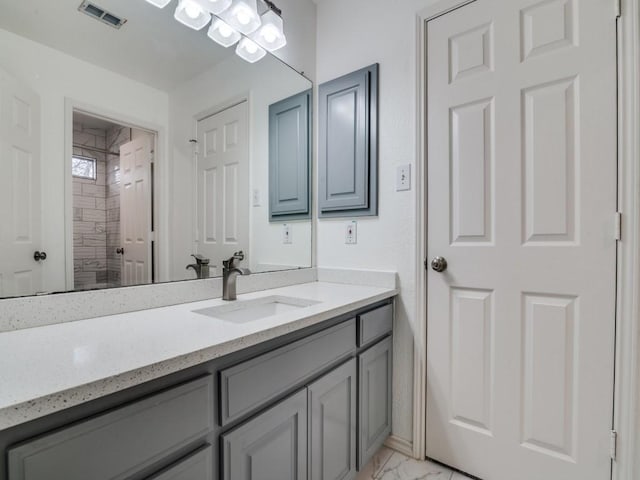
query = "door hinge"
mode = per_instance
[
  {"x": 618, "y": 226},
  {"x": 618, "y": 8},
  {"x": 613, "y": 447}
]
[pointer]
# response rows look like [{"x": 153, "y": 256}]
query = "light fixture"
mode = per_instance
[
  {"x": 215, "y": 6},
  {"x": 159, "y": 3},
  {"x": 192, "y": 14},
  {"x": 243, "y": 16},
  {"x": 234, "y": 21},
  {"x": 270, "y": 35},
  {"x": 222, "y": 33},
  {"x": 250, "y": 51}
]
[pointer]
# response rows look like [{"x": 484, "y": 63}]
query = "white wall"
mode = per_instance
[
  {"x": 352, "y": 34},
  {"x": 262, "y": 83},
  {"x": 56, "y": 76}
]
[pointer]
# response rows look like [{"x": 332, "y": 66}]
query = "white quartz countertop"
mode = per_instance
[{"x": 50, "y": 368}]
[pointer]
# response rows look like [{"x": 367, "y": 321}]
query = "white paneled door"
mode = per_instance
[
  {"x": 20, "y": 209},
  {"x": 135, "y": 211},
  {"x": 521, "y": 203},
  {"x": 223, "y": 186}
]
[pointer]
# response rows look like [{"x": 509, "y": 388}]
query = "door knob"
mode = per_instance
[
  {"x": 40, "y": 256},
  {"x": 120, "y": 251},
  {"x": 439, "y": 264}
]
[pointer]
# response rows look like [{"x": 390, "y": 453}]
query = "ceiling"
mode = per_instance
[{"x": 151, "y": 47}]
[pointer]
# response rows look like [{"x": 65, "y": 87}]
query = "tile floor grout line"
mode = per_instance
[{"x": 375, "y": 474}]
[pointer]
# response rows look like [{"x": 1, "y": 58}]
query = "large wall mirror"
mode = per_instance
[{"x": 140, "y": 152}]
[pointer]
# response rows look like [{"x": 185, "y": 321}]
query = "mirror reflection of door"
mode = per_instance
[
  {"x": 223, "y": 186},
  {"x": 20, "y": 209},
  {"x": 135, "y": 211},
  {"x": 112, "y": 204}
]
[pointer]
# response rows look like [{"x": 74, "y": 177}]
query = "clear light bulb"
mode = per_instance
[
  {"x": 192, "y": 10},
  {"x": 225, "y": 30}
]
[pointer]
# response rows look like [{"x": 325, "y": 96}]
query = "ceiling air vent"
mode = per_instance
[{"x": 101, "y": 14}]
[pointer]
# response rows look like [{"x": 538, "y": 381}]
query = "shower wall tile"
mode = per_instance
[
  {"x": 90, "y": 215},
  {"x": 93, "y": 215},
  {"x": 80, "y": 202}
]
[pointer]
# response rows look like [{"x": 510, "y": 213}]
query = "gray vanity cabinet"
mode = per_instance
[
  {"x": 271, "y": 446},
  {"x": 290, "y": 158},
  {"x": 314, "y": 404},
  {"x": 198, "y": 466},
  {"x": 332, "y": 420},
  {"x": 122, "y": 442},
  {"x": 374, "y": 366},
  {"x": 347, "y": 151}
]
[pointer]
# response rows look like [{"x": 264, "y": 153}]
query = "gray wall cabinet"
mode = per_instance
[
  {"x": 271, "y": 446},
  {"x": 332, "y": 419},
  {"x": 290, "y": 158},
  {"x": 348, "y": 145},
  {"x": 375, "y": 399},
  {"x": 313, "y": 404}
]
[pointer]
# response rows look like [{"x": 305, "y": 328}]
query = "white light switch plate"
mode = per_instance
[
  {"x": 351, "y": 233},
  {"x": 256, "y": 197},
  {"x": 403, "y": 178},
  {"x": 286, "y": 234}
]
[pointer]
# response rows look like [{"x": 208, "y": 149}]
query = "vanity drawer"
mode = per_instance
[
  {"x": 374, "y": 324},
  {"x": 198, "y": 466},
  {"x": 247, "y": 386},
  {"x": 121, "y": 442}
]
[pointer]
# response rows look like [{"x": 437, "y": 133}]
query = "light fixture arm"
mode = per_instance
[{"x": 272, "y": 6}]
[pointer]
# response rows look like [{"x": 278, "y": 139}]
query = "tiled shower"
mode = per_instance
[{"x": 96, "y": 206}]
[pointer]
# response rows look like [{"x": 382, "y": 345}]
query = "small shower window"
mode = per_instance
[{"x": 83, "y": 167}]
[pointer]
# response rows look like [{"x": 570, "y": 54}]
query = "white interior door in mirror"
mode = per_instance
[
  {"x": 135, "y": 211},
  {"x": 223, "y": 186},
  {"x": 20, "y": 209}
]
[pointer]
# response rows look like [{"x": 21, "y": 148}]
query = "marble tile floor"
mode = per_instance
[{"x": 390, "y": 465}]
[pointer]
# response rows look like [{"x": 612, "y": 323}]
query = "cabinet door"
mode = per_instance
[
  {"x": 289, "y": 158},
  {"x": 375, "y": 399},
  {"x": 347, "y": 163},
  {"x": 332, "y": 411},
  {"x": 121, "y": 442},
  {"x": 198, "y": 466},
  {"x": 271, "y": 446}
]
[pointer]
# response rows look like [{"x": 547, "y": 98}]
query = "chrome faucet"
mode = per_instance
[
  {"x": 229, "y": 274},
  {"x": 201, "y": 267}
]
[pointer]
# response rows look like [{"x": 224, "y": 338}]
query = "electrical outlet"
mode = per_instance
[
  {"x": 351, "y": 233},
  {"x": 256, "y": 197},
  {"x": 286, "y": 234},
  {"x": 403, "y": 178}
]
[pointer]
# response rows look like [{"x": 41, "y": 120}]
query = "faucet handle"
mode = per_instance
[
  {"x": 200, "y": 260},
  {"x": 236, "y": 256}
]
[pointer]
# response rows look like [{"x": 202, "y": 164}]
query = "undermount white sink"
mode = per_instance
[{"x": 240, "y": 311}]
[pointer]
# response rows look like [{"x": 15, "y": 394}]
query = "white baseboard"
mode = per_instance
[{"x": 400, "y": 445}]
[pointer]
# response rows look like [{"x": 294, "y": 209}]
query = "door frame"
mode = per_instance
[
  {"x": 627, "y": 316},
  {"x": 160, "y": 185}
]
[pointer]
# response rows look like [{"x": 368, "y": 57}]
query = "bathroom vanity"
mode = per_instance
[{"x": 304, "y": 392}]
